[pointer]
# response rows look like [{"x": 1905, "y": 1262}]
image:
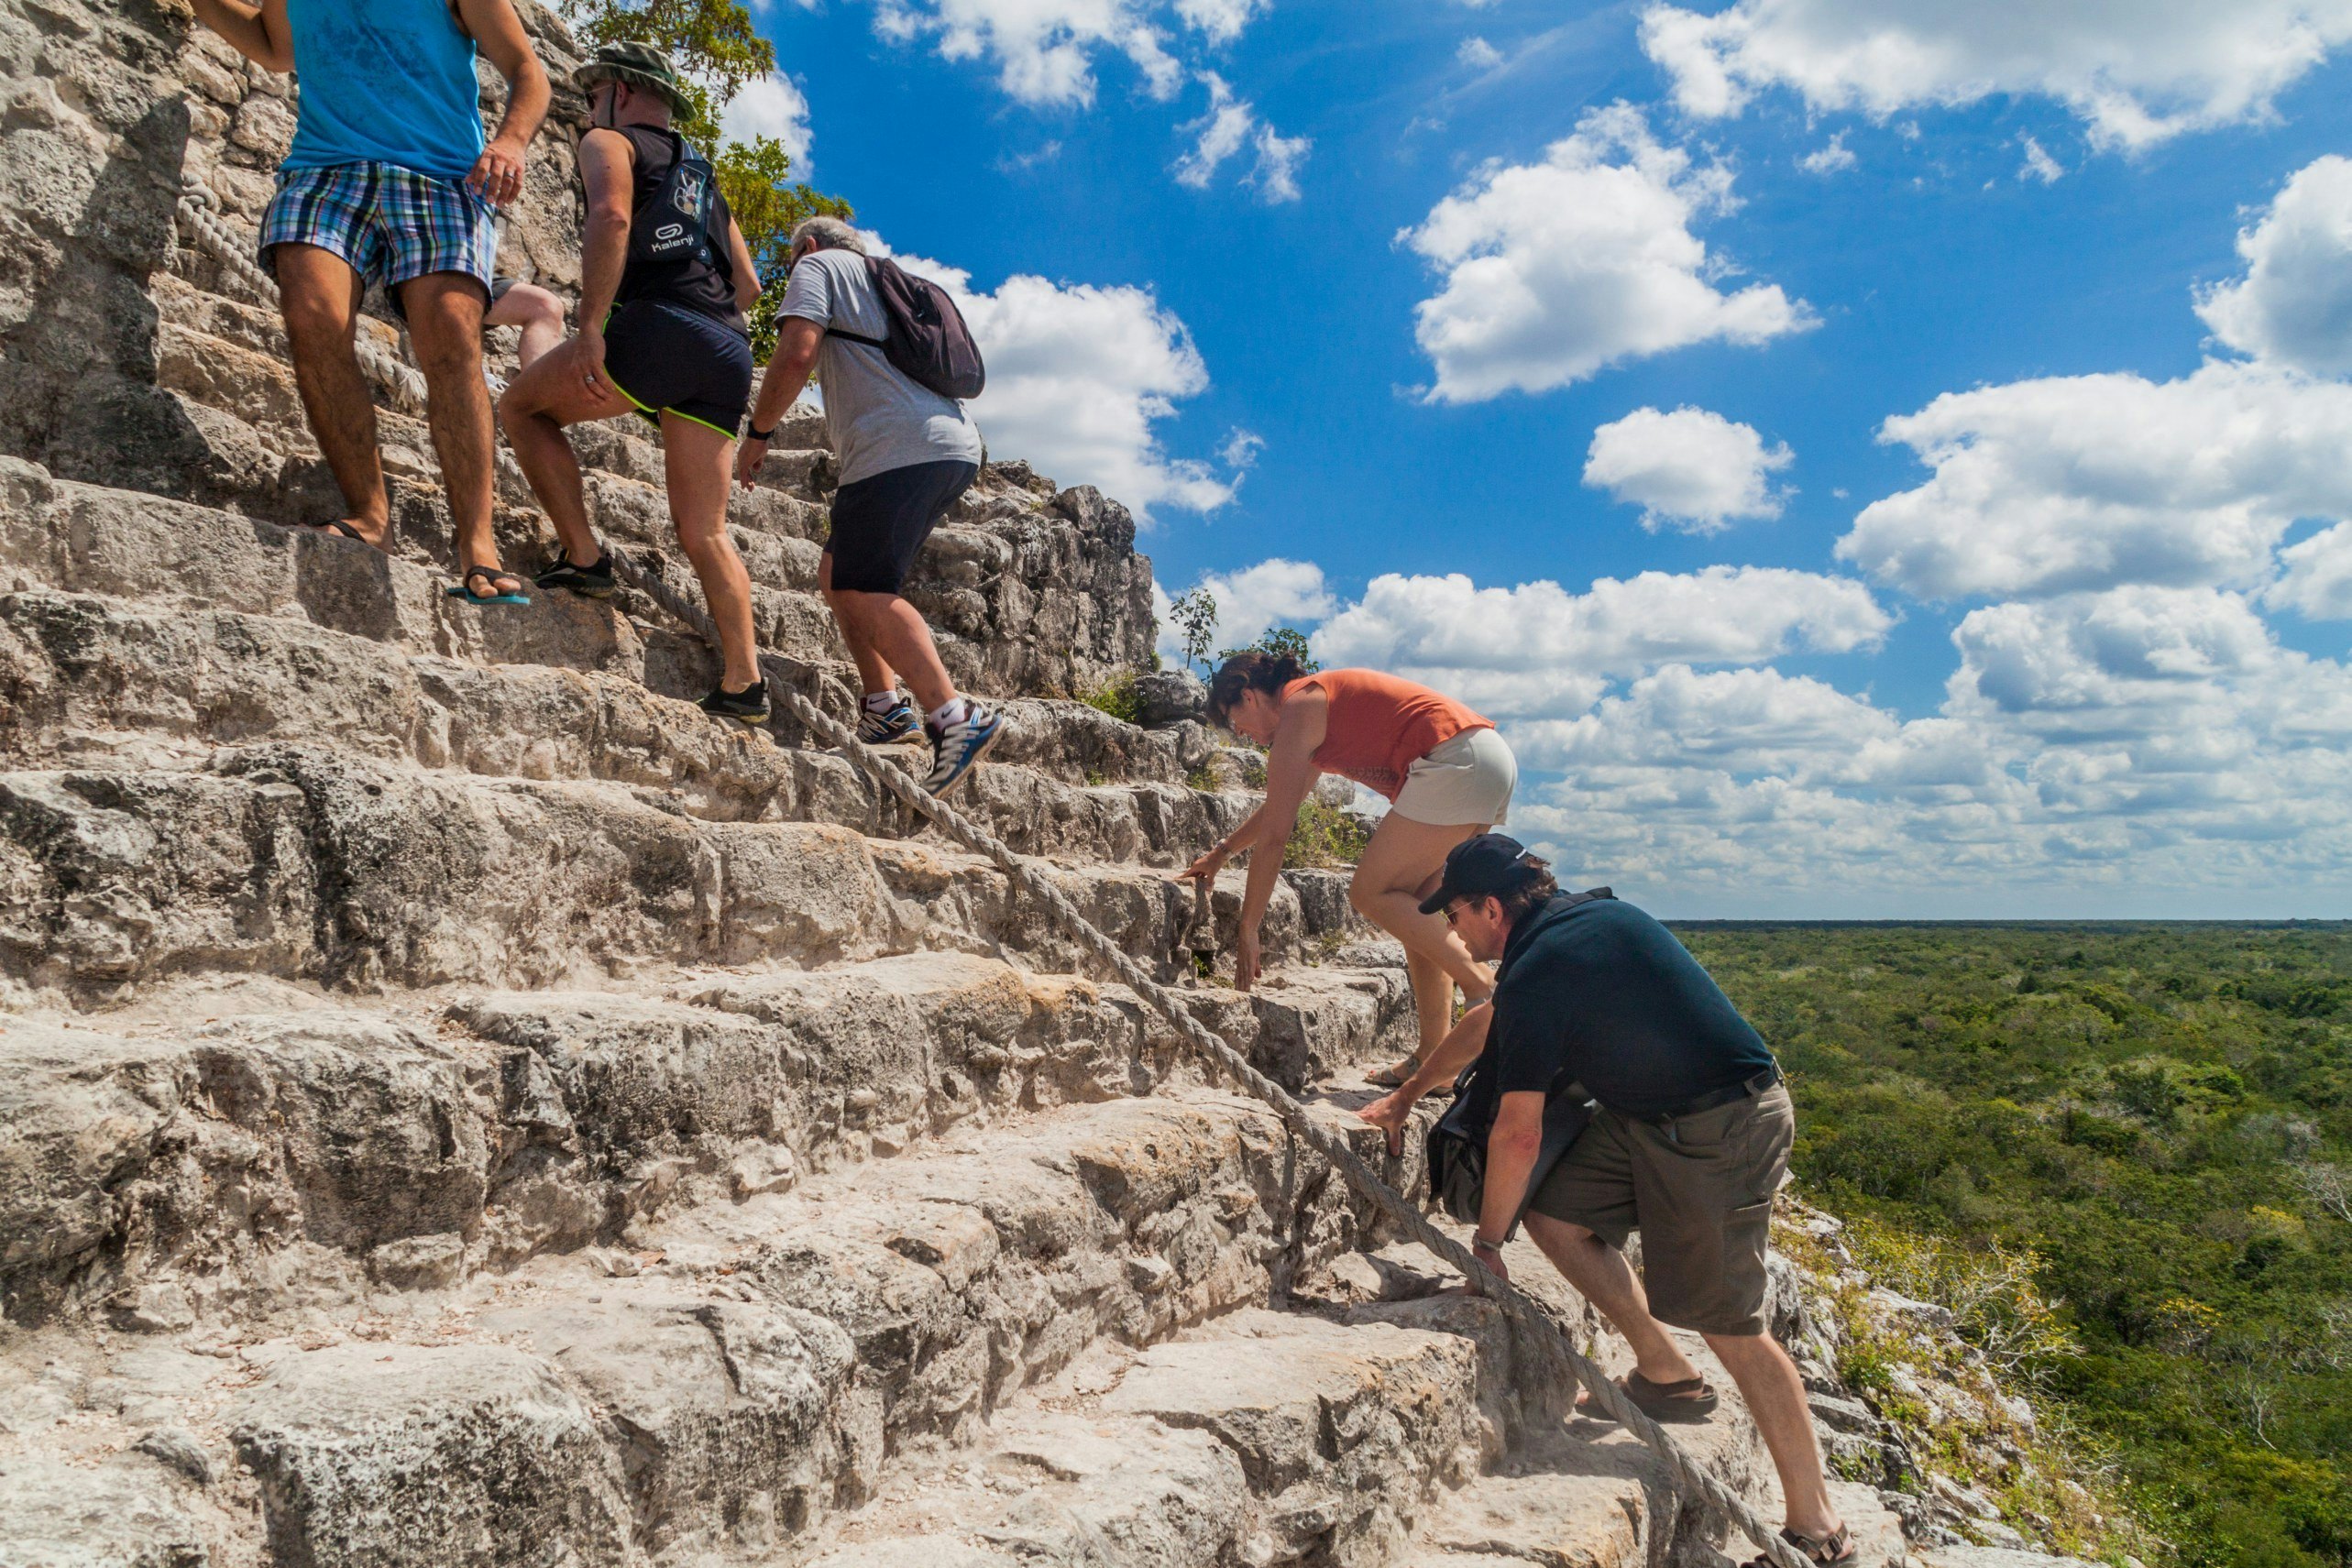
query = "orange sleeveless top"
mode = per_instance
[{"x": 1380, "y": 725}]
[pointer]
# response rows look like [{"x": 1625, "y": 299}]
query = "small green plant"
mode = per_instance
[
  {"x": 1195, "y": 615},
  {"x": 1326, "y": 836},
  {"x": 1117, "y": 698},
  {"x": 1203, "y": 778}
]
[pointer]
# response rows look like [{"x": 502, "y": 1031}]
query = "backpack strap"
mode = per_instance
[{"x": 1589, "y": 895}]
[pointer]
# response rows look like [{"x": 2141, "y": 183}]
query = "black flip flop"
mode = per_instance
[
  {"x": 591, "y": 581},
  {"x": 463, "y": 588},
  {"x": 340, "y": 527}
]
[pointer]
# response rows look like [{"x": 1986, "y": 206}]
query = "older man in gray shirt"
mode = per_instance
[{"x": 905, "y": 455}]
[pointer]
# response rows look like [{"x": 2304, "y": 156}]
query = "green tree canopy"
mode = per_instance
[{"x": 756, "y": 176}]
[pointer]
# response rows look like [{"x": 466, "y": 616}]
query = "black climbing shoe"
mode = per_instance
[
  {"x": 750, "y": 705},
  {"x": 591, "y": 581}
]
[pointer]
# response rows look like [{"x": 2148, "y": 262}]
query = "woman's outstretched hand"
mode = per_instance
[
  {"x": 1245, "y": 959},
  {"x": 1389, "y": 1112},
  {"x": 1205, "y": 869}
]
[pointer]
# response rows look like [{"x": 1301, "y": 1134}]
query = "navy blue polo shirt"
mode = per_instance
[{"x": 1599, "y": 993}]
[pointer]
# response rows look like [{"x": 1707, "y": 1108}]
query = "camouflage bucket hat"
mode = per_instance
[{"x": 639, "y": 65}]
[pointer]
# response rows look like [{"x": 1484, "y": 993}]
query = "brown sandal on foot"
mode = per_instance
[
  {"x": 1838, "y": 1546},
  {"x": 1390, "y": 1078},
  {"x": 1688, "y": 1400}
]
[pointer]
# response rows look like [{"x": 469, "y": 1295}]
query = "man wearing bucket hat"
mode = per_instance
[
  {"x": 665, "y": 281},
  {"x": 1690, "y": 1140},
  {"x": 390, "y": 180}
]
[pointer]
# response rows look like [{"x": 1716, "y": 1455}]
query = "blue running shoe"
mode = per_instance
[
  {"x": 959, "y": 747},
  {"x": 889, "y": 726}
]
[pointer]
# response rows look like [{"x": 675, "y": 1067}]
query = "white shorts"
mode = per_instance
[{"x": 1464, "y": 780}]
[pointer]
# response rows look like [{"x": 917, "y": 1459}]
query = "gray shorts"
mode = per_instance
[{"x": 1699, "y": 1190}]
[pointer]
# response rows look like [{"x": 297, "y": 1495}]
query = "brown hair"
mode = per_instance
[
  {"x": 1539, "y": 886},
  {"x": 1252, "y": 669}
]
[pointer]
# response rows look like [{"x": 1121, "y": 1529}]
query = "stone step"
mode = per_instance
[
  {"x": 313, "y": 865},
  {"x": 95, "y": 681},
  {"x": 1260, "y": 1438},
  {"x": 714, "y": 1390},
  {"x": 425, "y": 1139},
  {"x": 145, "y": 551}
]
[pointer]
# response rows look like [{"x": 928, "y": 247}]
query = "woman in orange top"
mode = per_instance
[{"x": 1447, "y": 776}]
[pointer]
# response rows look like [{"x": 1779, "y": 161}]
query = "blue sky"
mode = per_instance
[{"x": 1475, "y": 289}]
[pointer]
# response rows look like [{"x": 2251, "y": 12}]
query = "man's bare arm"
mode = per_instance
[
  {"x": 259, "y": 32},
  {"x": 498, "y": 33},
  {"x": 798, "y": 339},
  {"x": 739, "y": 260}
]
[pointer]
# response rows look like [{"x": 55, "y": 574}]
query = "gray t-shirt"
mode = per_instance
[{"x": 876, "y": 419}]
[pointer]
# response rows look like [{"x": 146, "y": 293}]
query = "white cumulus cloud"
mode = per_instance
[
  {"x": 1044, "y": 51},
  {"x": 1691, "y": 469},
  {"x": 2293, "y": 306},
  {"x": 1220, "y": 21},
  {"x": 2072, "y": 483},
  {"x": 1833, "y": 157},
  {"x": 1478, "y": 54},
  {"x": 1539, "y": 651},
  {"x": 1557, "y": 270},
  {"x": 2039, "y": 165},
  {"x": 772, "y": 107},
  {"x": 2135, "y": 72},
  {"x": 1079, "y": 376},
  {"x": 1230, "y": 125}
]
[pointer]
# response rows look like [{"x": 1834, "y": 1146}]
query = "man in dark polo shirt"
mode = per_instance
[{"x": 1689, "y": 1142}]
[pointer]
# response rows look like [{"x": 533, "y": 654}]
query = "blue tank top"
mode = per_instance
[{"x": 384, "y": 82}]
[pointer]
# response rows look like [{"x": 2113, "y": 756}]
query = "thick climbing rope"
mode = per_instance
[{"x": 784, "y": 673}]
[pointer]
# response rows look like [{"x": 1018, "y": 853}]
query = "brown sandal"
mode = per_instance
[
  {"x": 1838, "y": 1546},
  {"x": 1688, "y": 1400}
]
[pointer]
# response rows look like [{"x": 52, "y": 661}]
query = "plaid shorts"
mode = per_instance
[{"x": 390, "y": 223}]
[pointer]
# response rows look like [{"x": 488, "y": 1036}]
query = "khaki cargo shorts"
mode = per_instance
[{"x": 1699, "y": 1190}]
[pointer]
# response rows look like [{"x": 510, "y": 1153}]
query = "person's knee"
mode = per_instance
[
  {"x": 1362, "y": 897},
  {"x": 312, "y": 322}
]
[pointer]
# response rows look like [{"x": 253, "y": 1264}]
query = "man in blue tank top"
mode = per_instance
[{"x": 390, "y": 180}]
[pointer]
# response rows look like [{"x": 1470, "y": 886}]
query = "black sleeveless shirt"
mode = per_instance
[{"x": 691, "y": 282}]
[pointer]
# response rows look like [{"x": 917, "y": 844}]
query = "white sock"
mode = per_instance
[
  {"x": 881, "y": 702},
  {"x": 948, "y": 712}
]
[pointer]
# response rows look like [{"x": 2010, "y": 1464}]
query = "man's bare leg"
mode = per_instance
[
  {"x": 894, "y": 636},
  {"x": 1603, "y": 1278},
  {"x": 445, "y": 322},
  {"x": 1767, "y": 1380},
  {"x": 318, "y": 295},
  {"x": 698, "y": 463},
  {"x": 538, "y": 404}
]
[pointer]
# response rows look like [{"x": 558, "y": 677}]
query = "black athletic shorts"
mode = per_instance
[
  {"x": 879, "y": 524},
  {"x": 665, "y": 357}
]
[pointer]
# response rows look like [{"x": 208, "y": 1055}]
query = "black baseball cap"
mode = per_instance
[{"x": 1488, "y": 866}]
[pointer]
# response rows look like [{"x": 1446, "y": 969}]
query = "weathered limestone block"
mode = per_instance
[
  {"x": 1340, "y": 1431},
  {"x": 83, "y": 1114},
  {"x": 119, "y": 1514},
  {"x": 737, "y": 1421},
  {"x": 460, "y": 1454}
]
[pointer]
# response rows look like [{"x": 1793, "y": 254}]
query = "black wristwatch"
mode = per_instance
[{"x": 756, "y": 434}]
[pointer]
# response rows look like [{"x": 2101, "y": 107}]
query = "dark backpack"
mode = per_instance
[
  {"x": 1457, "y": 1140},
  {"x": 929, "y": 342},
  {"x": 678, "y": 220}
]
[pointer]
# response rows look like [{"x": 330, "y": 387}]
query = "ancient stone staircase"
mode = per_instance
[{"x": 461, "y": 1105}]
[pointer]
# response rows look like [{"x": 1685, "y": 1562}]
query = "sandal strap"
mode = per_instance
[
  {"x": 1835, "y": 1547},
  {"x": 1686, "y": 1385}
]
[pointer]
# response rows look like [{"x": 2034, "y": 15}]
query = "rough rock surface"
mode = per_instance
[{"x": 459, "y": 1105}]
